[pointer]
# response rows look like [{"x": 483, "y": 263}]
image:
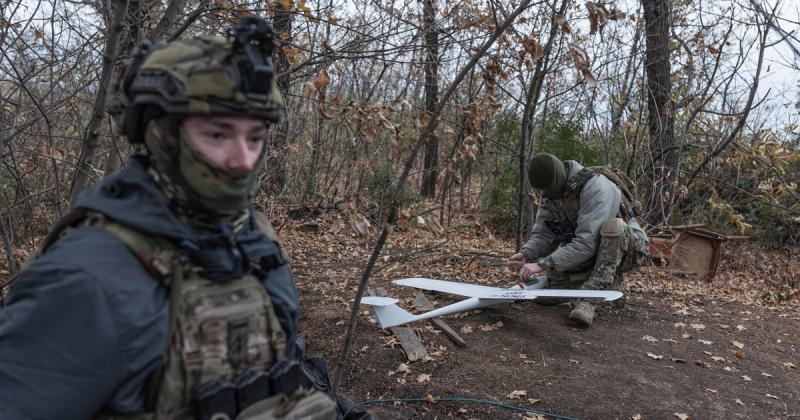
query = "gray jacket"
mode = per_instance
[{"x": 598, "y": 201}]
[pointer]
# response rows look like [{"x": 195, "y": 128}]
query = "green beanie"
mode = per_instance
[{"x": 547, "y": 172}]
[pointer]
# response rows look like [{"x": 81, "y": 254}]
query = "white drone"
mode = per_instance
[{"x": 391, "y": 315}]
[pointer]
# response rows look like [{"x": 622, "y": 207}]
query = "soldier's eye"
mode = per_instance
[{"x": 216, "y": 135}]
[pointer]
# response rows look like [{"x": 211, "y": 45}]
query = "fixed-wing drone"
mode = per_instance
[{"x": 391, "y": 315}]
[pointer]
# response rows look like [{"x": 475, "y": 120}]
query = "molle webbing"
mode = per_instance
[{"x": 629, "y": 206}]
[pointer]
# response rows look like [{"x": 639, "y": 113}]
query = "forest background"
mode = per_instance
[
  {"x": 424, "y": 113},
  {"x": 405, "y": 108}
]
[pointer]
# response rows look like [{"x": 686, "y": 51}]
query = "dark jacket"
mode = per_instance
[{"x": 86, "y": 323}]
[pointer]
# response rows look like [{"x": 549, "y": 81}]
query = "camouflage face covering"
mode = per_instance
[
  {"x": 209, "y": 181},
  {"x": 186, "y": 176}
]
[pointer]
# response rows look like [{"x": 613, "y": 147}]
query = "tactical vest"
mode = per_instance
[
  {"x": 567, "y": 208},
  {"x": 225, "y": 355}
]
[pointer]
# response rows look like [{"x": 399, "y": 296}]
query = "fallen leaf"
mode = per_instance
[
  {"x": 431, "y": 399},
  {"x": 686, "y": 336},
  {"x": 738, "y": 401},
  {"x": 522, "y": 356},
  {"x": 739, "y": 354},
  {"x": 534, "y": 417},
  {"x": 773, "y": 396},
  {"x": 654, "y": 356},
  {"x": 683, "y": 416},
  {"x": 533, "y": 400},
  {"x": 403, "y": 368},
  {"x": 679, "y": 325},
  {"x": 790, "y": 365},
  {"x": 637, "y": 417},
  {"x": 577, "y": 362},
  {"x": 728, "y": 368},
  {"x": 713, "y": 391},
  {"x": 650, "y": 339},
  {"x": 491, "y": 327},
  {"x": 466, "y": 329},
  {"x": 698, "y": 327},
  {"x": 683, "y": 311},
  {"x": 517, "y": 394},
  {"x": 737, "y": 344},
  {"x": 702, "y": 364},
  {"x": 741, "y": 327},
  {"x": 718, "y": 359},
  {"x": 423, "y": 377},
  {"x": 746, "y": 378},
  {"x": 706, "y": 342},
  {"x": 765, "y": 374}
]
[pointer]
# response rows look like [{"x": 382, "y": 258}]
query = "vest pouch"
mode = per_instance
[
  {"x": 215, "y": 401},
  {"x": 302, "y": 405},
  {"x": 286, "y": 376},
  {"x": 251, "y": 386}
]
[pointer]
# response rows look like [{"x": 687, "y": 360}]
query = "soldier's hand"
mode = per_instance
[
  {"x": 527, "y": 271},
  {"x": 516, "y": 260}
]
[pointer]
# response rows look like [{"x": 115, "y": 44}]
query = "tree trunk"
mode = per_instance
[
  {"x": 531, "y": 98},
  {"x": 660, "y": 119},
  {"x": 91, "y": 137},
  {"x": 276, "y": 165},
  {"x": 431, "y": 161}
]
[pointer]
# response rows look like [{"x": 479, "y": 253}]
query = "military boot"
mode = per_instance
[{"x": 582, "y": 314}]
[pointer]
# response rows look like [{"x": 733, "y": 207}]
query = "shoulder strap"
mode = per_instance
[
  {"x": 629, "y": 206},
  {"x": 575, "y": 183},
  {"x": 155, "y": 253}
]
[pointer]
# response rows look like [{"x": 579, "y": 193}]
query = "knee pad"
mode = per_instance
[{"x": 613, "y": 228}]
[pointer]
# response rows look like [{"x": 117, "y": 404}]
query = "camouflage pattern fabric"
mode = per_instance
[
  {"x": 616, "y": 255},
  {"x": 203, "y": 68},
  {"x": 210, "y": 181},
  {"x": 189, "y": 176}
]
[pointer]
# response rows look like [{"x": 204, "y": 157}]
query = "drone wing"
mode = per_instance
[
  {"x": 451, "y": 287},
  {"x": 520, "y": 294}
]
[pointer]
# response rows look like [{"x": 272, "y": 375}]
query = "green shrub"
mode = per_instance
[
  {"x": 499, "y": 200},
  {"x": 563, "y": 138},
  {"x": 380, "y": 187}
]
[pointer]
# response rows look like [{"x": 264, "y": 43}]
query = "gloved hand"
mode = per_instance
[
  {"x": 527, "y": 271},
  {"x": 516, "y": 260}
]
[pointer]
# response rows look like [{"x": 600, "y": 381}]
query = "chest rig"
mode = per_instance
[
  {"x": 225, "y": 351},
  {"x": 565, "y": 210}
]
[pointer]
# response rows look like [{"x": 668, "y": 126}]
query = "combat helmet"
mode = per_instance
[
  {"x": 211, "y": 75},
  {"x": 165, "y": 82}
]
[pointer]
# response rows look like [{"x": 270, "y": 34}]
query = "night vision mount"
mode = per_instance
[{"x": 252, "y": 54}]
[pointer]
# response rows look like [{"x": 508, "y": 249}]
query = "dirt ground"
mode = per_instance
[{"x": 679, "y": 348}]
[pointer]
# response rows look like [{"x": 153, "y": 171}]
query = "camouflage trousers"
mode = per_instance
[{"x": 621, "y": 249}]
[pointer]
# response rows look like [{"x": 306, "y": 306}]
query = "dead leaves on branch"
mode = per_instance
[{"x": 582, "y": 61}]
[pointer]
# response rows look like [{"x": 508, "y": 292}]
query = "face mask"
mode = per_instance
[
  {"x": 183, "y": 167},
  {"x": 209, "y": 181}
]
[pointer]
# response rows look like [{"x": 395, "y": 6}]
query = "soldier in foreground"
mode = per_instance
[
  {"x": 164, "y": 294},
  {"x": 586, "y": 232}
]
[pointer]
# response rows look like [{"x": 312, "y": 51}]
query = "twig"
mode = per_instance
[{"x": 387, "y": 228}]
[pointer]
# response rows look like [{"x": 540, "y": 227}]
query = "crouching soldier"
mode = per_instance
[
  {"x": 585, "y": 234},
  {"x": 164, "y": 294}
]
